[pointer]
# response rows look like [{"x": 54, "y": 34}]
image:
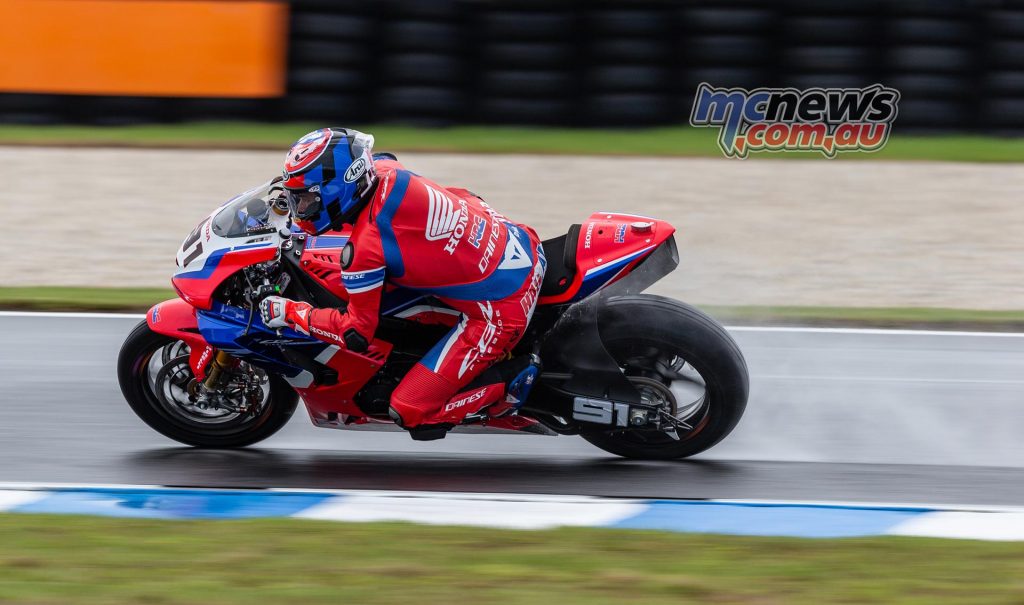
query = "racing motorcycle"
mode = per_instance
[{"x": 637, "y": 375}]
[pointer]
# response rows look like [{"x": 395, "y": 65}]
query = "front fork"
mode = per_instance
[{"x": 218, "y": 370}]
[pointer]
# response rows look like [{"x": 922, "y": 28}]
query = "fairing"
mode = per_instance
[
  {"x": 610, "y": 245},
  {"x": 177, "y": 319},
  {"x": 238, "y": 234}
]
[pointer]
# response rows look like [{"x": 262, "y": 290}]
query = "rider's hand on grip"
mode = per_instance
[{"x": 280, "y": 312}]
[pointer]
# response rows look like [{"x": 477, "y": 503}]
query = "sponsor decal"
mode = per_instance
[
  {"x": 356, "y": 282},
  {"x": 488, "y": 338},
  {"x": 515, "y": 256},
  {"x": 826, "y": 120},
  {"x": 326, "y": 334},
  {"x": 467, "y": 399},
  {"x": 384, "y": 186},
  {"x": 529, "y": 300},
  {"x": 589, "y": 236},
  {"x": 355, "y": 170},
  {"x": 441, "y": 215},
  {"x": 444, "y": 220},
  {"x": 307, "y": 150},
  {"x": 284, "y": 341},
  {"x": 477, "y": 233},
  {"x": 204, "y": 357},
  {"x": 460, "y": 228},
  {"x": 156, "y": 315},
  {"x": 492, "y": 241},
  {"x": 494, "y": 214},
  {"x": 620, "y": 234}
]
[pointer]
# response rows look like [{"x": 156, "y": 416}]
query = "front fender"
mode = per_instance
[{"x": 177, "y": 319}]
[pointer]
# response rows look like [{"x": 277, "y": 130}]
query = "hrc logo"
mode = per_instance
[
  {"x": 620, "y": 234},
  {"x": 477, "y": 234}
]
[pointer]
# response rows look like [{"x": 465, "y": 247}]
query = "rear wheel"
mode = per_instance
[
  {"x": 680, "y": 360},
  {"x": 158, "y": 384}
]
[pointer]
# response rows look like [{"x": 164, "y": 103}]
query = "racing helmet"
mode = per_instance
[{"x": 328, "y": 175}]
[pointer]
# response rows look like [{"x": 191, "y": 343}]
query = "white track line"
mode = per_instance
[
  {"x": 872, "y": 331},
  {"x": 884, "y": 379},
  {"x": 793, "y": 329},
  {"x": 977, "y": 508},
  {"x": 26, "y": 486}
]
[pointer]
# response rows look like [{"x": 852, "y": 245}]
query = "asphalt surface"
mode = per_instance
[{"x": 901, "y": 417}]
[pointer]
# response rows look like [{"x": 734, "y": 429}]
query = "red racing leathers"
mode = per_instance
[{"x": 448, "y": 243}]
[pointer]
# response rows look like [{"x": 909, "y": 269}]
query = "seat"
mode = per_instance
[{"x": 561, "y": 256}]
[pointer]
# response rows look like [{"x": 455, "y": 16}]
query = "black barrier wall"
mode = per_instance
[{"x": 958, "y": 64}]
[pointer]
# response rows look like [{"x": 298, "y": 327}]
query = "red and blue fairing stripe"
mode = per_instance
[
  {"x": 598, "y": 277},
  {"x": 213, "y": 261}
]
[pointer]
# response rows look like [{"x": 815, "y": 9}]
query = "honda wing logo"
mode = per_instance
[{"x": 442, "y": 216}]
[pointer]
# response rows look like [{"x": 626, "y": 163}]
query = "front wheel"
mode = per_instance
[
  {"x": 680, "y": 359},
  {"x": 156, "y": 380}
]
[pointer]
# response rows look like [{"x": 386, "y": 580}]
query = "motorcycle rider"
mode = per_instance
[{"x": 444, "y": 242}]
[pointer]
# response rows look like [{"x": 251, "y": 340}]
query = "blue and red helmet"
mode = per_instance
[{"x": 328, "y": 175}]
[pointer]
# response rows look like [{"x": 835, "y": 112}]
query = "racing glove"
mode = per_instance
[{"x": 280, "y": 312}]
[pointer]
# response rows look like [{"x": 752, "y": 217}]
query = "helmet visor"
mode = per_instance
[{"x": 304, "y": 204}]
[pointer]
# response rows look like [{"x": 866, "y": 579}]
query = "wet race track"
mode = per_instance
[{"x": 834, "y": 415}]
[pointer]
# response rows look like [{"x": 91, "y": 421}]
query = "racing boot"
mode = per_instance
[
  {"x": 422, "y": 432},
  {"x": 459, "y": 409}
]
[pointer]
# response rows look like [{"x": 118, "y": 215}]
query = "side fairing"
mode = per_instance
[
  {"x": 206, "y": 259},
  {"x": 325, "y": 376},
  {"x": 321, "y": 259}
]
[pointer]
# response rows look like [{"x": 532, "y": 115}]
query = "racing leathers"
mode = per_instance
[{"x": 447, "y": 243}]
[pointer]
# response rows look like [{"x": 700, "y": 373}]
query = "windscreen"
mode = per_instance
[{"x": 247, "y": 212}]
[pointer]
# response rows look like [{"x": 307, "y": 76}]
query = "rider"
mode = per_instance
[{"x": 411, "y": 232}]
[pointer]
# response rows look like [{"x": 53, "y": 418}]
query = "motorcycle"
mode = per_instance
[{"x": 637, "y": 375}]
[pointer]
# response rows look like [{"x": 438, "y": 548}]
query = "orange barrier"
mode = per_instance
[{"x": 190, "y": 48}]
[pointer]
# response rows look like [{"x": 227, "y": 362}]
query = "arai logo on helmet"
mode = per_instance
[
  {"x": 356, "y": 170},
  {"x": 307, "y": 150}
]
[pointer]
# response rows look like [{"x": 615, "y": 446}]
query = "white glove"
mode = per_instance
[{"x": 280, "y": 312}]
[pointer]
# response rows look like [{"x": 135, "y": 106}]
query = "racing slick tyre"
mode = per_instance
[
  {"x": 680, "y": 358},
  {"x": 156, "y": 380}
]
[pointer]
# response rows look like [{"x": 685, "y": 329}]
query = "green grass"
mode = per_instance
[
  {"x": 68, "y": 298},
  {"x": 873, "y": 316},
  {"x": 101, "y": 561},
  {"x": 673, "y": 141}
]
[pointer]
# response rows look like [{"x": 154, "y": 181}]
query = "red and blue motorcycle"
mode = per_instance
[{"x": 637, "y": 375}]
